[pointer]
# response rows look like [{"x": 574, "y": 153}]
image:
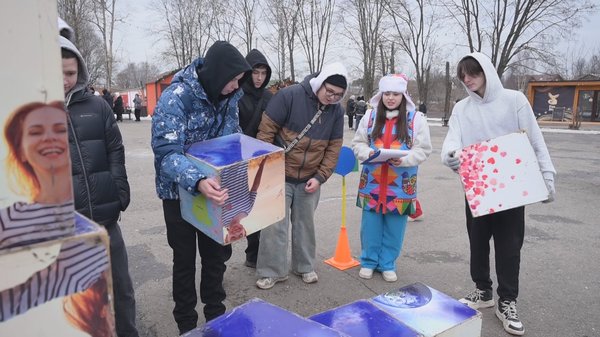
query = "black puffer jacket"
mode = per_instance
[{"x": 100, "y": 186}]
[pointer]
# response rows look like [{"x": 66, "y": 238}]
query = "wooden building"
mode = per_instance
[{"x": 556, "y": 98}]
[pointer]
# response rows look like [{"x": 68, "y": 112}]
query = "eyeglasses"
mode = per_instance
[{"x": 331, "y": 93}]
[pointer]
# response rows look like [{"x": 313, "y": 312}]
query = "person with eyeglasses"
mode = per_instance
[{"x": 306, "y": 119}]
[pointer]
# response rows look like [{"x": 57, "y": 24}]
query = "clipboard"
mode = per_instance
[{"x": 383, "y": 155}]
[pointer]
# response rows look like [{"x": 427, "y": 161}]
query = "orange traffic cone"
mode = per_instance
[{"x": 342, "y": 259}]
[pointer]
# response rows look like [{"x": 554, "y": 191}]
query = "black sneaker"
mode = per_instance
[
  {"x": 250, "y": 264},
  {"x": 507, "y": 313},
  {"x": 479, "y": 299}
]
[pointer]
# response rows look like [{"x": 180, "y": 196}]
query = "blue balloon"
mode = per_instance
[{"x": 346, "y": 161}]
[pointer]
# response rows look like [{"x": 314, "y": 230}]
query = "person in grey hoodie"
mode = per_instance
[{"x": 100, "y": 186}]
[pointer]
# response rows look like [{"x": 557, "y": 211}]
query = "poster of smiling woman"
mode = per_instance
[{"x": 54, "y": 263}]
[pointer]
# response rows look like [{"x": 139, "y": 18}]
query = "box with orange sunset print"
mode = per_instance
[{"x": 252, "y": 171}]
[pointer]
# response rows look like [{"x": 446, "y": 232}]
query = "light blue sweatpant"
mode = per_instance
[
  {"x": 300, "y": 209},
  {"x": 381, "y": 238}
]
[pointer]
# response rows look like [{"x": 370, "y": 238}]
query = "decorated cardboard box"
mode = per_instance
[
  {"x": 364, "y": 319},
  {"x": 257, "y": 318},
  {"x": 430, "y": 312},
  {"x": 500, "y": 174},
  {"x": 253, "y": 173},
  {"x": 36, "y": 198},
  {"x": 59, "y": 287}
]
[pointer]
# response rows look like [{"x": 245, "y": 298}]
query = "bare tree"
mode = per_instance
[
  {"x": 283, "y": 16},
  {"x": 136, "y": 75},
  {"x": 362, "y": 24},
  {"x": 314, "y": 30},
  {"x": 76, "y": 14},
  {"x": 416, "y": 26},
  {"x": 246, "y": 17},
  {"x": 104, "y": 18},
  {"x": 506, "y": 28},
  {"x": 188, "y": 26},
  {"x": 224, "y": 19}
]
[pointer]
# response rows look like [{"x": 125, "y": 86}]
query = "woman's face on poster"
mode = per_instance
[{"x": 45, "y": 141}]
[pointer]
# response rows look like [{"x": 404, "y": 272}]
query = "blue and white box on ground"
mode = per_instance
[
  {"x": 430, "y": 312},
  {"x": 363, "y": 319},
  {"x": 257, "y": 318},
  {"x": 252, "y": 171}
]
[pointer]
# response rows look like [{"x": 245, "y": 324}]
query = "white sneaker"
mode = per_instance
[
  {"x": 310, "y": 277},
  {"x": 366, "y": 273},
  {"x": 269, "y": 282},
  {"x": 390, "y": 276},
  {"x": 506, "y": 311}
]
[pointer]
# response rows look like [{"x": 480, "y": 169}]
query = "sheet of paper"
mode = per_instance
[{"x": 385, "y": 154}]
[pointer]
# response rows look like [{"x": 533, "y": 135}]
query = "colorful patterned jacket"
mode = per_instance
[{"x": 384, "y": 188}]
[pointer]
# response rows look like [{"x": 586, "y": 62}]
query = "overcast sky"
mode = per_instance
[{"x": 135, "y": 43}]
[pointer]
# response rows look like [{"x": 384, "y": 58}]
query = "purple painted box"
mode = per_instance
[
  {"x": 257, "y": 318},
  {"x": 253, "y": 173},
  {"x": 363, "y": 319}
]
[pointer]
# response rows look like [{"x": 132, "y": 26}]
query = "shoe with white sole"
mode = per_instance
[
  {"x": 390, "y": 276},
  {"x": 506, "y": 311},
  {"x": 366, "y": 273},
  {"x": 479, "y": 299},
  {"x": 269, "y": 282},
  {"x": 310, "y": 277}
]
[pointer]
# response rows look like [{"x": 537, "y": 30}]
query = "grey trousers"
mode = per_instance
[{"x": 272, "y": 253}]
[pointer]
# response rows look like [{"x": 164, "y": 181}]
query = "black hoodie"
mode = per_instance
[
  {"x": 222, "y": 63},
  {"x": 250, "y": 111}
]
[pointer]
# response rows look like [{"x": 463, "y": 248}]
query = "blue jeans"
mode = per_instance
[
  {"x": 272, "y": 253},
  {"x": 381, "y": 238}
]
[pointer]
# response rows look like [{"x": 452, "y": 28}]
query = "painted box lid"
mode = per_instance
[
  {"x": 257, "y": 318},
  {"x": 364, "y": 319}
]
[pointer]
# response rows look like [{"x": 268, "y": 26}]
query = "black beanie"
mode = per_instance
[{"x": 337, "y": 80}]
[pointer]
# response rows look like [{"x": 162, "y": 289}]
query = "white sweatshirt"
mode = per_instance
[
  {"x": 499, "y": 112},
  {"x": 421, "y": 147}
]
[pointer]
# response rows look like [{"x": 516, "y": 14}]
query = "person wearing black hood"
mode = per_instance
[
  {"x": 201, "y": 103},
  {"x": 252, "y": 105}
]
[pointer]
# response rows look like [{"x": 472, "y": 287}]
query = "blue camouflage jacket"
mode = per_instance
[{"x": 184, "y": 115}]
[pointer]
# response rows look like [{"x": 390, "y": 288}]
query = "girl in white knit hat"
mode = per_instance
[{"x": 388, "y": 189}]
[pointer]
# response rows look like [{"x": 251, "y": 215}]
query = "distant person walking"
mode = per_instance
[
  {"x": 350, "y": 110},
  {"x": 119, "y": 109},
  {"x": 137, "y": 105},
  {"x": 108, "y": 98}
]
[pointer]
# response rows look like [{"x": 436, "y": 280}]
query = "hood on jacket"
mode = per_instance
[
  {"x": 330, "y": 69},
  {"x": 222, "y": 63},
  {"x": 65, "y": 30},
  {"x": 255, "y": 58},
  {"x": 82, "y": 73},
  {"x": 493, "y": 85}
]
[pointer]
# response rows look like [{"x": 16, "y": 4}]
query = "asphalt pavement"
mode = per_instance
[{"x": 560, "y": 267}]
